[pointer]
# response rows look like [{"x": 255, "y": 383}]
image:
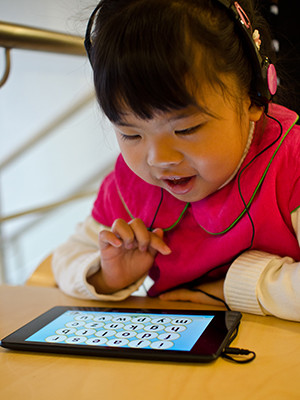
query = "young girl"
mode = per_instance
[{"x": 205, "y": 195}]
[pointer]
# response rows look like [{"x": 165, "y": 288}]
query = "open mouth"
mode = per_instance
[
  {"x": 178, "y": 181},
  {"x": 179, "y": 185}
]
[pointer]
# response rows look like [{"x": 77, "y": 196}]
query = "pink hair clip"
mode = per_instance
[{"x": 256, "y": 38}]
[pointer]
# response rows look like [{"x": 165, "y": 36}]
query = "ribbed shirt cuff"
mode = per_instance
[{"x": 242, "y": 281}]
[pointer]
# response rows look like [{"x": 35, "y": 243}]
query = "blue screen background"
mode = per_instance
[{"x": 188, "y": 335}]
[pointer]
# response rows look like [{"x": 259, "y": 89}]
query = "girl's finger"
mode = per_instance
[
  {"x": 189, "y": 295},
  {"x": 124, "y": 232},
  {"x": 141, "y": 234},
  {"x": 146, "y": 240},
  {"x": 108, "y": 238},
  {"x": 185, "y": 295},
  {"x": 135, "y": 234},
  {"x": 157, "y": 242}
]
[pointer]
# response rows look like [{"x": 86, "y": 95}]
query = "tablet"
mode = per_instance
[{"x": 153, "y": 334}]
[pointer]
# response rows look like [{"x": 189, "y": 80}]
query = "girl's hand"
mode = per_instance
[
  {"x": 215, "y": 288},
  {"x": 127, "y": 253}
]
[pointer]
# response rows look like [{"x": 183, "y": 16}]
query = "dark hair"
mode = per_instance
[{"x": 145, "y": 59}]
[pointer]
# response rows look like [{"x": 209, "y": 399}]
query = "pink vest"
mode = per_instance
[{"x": 206, "y": 236}]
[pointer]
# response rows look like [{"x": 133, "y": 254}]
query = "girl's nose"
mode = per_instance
[{"x": 163, "y": 154}]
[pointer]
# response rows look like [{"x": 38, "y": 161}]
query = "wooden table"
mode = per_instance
[{"x": 275, "y": 374}]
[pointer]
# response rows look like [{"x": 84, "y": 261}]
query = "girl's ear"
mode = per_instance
[{"x": 255, "y": 112}]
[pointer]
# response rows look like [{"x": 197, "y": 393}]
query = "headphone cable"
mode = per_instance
[{"x": 246, "y": 166}]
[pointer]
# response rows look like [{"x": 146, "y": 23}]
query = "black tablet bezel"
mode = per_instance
[{"x": 207, "y": 348}]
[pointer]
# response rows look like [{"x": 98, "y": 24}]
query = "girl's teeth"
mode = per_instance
[{"x": 179, "y": 180}]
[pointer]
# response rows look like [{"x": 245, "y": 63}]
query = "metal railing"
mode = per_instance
[{"x": 23, "y": 37}]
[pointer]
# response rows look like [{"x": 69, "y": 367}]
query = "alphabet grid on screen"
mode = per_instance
[{"x": 152, "y": 331}]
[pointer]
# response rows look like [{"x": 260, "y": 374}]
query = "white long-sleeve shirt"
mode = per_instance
[{"x": 256, "y": 282}]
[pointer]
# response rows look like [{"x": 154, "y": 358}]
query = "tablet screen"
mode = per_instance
[
  {"x": 139, "y": 330},
  {"x": 153, "y": 334}
]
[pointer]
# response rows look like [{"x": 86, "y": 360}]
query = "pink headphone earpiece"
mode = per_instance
[{"x": 272, "y": 79}]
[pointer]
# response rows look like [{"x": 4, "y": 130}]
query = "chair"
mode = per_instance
[{"x": 43, "y": 275}]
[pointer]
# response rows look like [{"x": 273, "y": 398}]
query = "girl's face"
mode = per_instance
[{"x": 190, "y": 152}]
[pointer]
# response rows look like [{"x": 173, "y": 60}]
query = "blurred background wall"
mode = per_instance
[{"x": 72, "y": 156}]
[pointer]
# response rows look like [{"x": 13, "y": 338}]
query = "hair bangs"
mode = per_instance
[{"x": 140, "y": 72}]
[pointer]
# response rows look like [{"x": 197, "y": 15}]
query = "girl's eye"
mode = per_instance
[
  {"x": 188, "y": 131},
  {"x": 129, "y": 137}
]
